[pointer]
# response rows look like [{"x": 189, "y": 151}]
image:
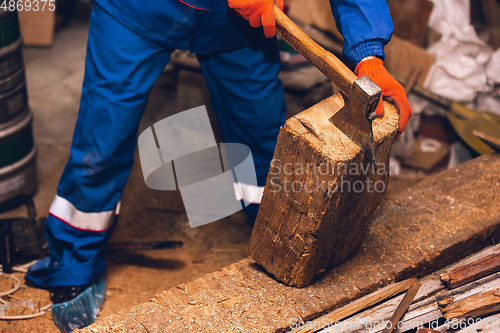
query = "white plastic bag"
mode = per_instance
[{"x": 459, "y": 71}]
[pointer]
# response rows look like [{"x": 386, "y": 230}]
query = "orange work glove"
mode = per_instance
[
  {"x": 258, "y": 13},
  {"x": 391, "y": 89}
]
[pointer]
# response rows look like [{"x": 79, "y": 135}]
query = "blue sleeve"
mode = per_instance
[{"x": 366, "y": 26}]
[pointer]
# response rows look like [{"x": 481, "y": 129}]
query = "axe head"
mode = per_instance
[{"x": 355, "y": 118}]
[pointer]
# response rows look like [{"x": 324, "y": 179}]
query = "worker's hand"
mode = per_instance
[
  {"x": 258, "y": 13},
  {"x": 391, "y": 89}
]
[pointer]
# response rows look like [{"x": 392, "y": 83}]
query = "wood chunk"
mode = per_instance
[
  {"x": 320, "y": 194},
  {"x": 475, "y": 306},
  {"x": 429, "y": 154},
  {"x": 414, "y": 232},
  {"x": 472, "y": 271}
]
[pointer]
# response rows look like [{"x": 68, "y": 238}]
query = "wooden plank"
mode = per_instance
[
  {"x": 401, "y": 242},
  {"x": 410, "y": 18},
  {"x": 401, "y": 57},
  {"x": 473, "y": 271},
  {"x": 489, "y": 324},
  {"x": 402, "y": 307},
  {"x": 475, "y": 306},
  {"x": 426, "y": 330},
  {"x": 317, "y": 13},
  {"x": 360, "y": 305},
  {"x": 37, "y": 28},
  {"x": 427, "y": 306},
  {"x": 309, "y": 218},
  {"x": 491, "y": 12}
]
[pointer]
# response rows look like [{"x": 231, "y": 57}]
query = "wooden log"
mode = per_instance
[
  {"x": 475, "y": 306},
  {"x": 320, "y": 194},
  {"x": 472, "y": 271},
  {"x": 414, "y": 232}
]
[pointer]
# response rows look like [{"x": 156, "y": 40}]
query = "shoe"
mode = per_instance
[{"x": 77, "y": 307}]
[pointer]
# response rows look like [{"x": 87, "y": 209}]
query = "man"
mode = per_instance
[{"x": 130, "y": 42}]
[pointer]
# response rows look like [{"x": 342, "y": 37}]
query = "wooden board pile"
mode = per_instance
[{"x": 462, "y": 298}]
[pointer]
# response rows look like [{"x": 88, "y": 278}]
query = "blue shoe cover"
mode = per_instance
[{"x": 82, "y": 310}]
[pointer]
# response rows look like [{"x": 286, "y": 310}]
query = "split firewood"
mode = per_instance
[
  {"x": 478, "y": 305},
  {"x": 472, "y": 271}
]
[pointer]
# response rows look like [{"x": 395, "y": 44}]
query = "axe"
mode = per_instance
[{"x": 361, "y": 95}]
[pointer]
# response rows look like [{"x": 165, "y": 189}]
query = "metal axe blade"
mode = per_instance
[{"x": 355, "y": 118}]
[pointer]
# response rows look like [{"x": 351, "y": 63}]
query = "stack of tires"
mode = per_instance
[{"x": 17, "y": 149}]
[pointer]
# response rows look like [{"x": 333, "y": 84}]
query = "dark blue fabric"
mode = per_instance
[
  {"x": 200, "y": 26},
  {"x": 75, "y": 257},
  {"x": 249, "y": 102},
  {"x": 130, "y": 42},
  {"x": 207, "y": 26},
  {"x": 366, "y": 26},
  {"x": 248, "y": 99},
  {"x": 121, "y": 67}
]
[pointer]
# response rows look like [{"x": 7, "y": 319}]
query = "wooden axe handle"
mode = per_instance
[{"x": 327, "y": 63}]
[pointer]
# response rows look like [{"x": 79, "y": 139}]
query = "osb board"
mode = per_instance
[
  {"x": 414, "y": 232},
  {"x": 37, "y": 27},
  {"x": 401, "y": 57}
]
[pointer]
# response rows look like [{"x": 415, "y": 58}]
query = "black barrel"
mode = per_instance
[
  {"x": 17, "y": 148},
  {"x": 13, "y": 94},
  {"x": 9, "y": 27},
  {"x": 17, "y": 159}
]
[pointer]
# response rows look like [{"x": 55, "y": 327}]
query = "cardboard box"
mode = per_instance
[{"x": 37, "y": 27}]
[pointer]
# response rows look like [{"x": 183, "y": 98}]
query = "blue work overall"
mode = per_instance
[{"x": 130, "y": 42}]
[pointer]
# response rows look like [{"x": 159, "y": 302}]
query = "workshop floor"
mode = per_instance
[{"x": 54, "y": 77}]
